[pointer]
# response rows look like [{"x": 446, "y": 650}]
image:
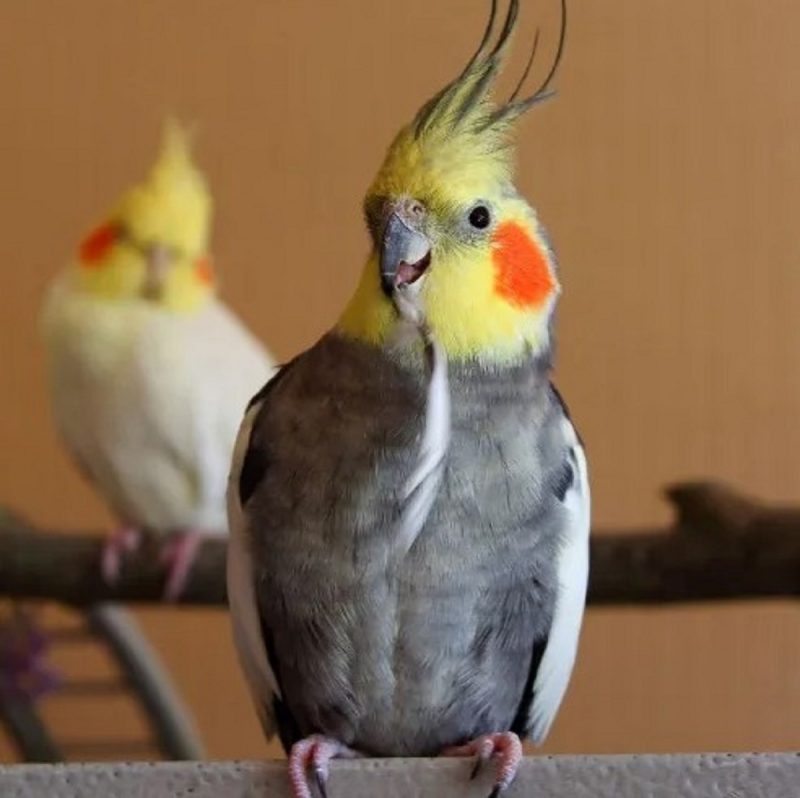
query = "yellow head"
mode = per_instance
[
  {"x": 153, "y": 247},
  {"x": 447, "y": 222}
]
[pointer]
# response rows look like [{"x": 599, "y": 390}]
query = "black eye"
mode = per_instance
[{"x": 479, "y": 217}]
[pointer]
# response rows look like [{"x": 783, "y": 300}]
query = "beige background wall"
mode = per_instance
[{"x": 668, "y": 171}]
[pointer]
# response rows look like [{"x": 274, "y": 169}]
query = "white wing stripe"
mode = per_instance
[
  {"x": 241, "y": 588},
  {"x": 573, "y": 573}
]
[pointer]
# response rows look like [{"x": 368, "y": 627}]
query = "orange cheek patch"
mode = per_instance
[
  {"x": 96, "y": 245},
  {"x": 204, "y": 269},
  {"x": 522, "y": 272}
]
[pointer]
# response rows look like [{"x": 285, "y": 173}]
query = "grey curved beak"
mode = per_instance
[{"x": 404, "y": 255}]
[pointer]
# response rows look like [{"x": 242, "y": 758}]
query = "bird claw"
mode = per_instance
[
  {"x": 505, "y": 747},
  {"x": 178, "y": 556},
  {"x": 315, "y": 752},
  {"x": 482, "y": 749},
  {"x": 120, "y": 542},
  {"x": 321, "y": 781}
]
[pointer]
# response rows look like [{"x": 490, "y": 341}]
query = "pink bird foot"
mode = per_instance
[
  {"x": 178, "y": 556},
  {"x": 314, "y": 752},
  {"x": 120, "y": 542},
  {"x": 505, "y": 747}
]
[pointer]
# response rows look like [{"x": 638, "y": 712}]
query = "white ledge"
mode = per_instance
[{"x": 685, "y": 776}]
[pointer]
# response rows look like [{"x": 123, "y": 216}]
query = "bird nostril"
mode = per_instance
[{"x": 416, "y": 208}]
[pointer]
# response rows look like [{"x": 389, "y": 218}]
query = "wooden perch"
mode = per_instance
[
  {"x": 722, "y": 546},
  {"x": 66, "y": 567}
]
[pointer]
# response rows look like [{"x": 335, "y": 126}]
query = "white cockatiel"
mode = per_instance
[{"x": 149, "y": 370}]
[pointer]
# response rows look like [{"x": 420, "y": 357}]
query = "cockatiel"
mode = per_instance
[
  {"x": 150, "y": 372},
  {"x": 409, "y": 500}
]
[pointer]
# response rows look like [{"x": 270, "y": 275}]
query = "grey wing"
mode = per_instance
[
  {"x": 245, "y": 618},
  {"x": 555, "y": 666}
]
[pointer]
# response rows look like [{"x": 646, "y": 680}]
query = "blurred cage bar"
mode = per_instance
[{"x": 127, "y": 682}]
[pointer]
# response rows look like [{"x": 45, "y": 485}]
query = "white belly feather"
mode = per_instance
[{"x": 149, "y": 402}]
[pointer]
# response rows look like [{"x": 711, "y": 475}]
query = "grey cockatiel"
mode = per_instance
[{"x": 409, "y": 502}]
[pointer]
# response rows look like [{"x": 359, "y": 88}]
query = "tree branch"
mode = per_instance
[
  {"x": 722, "y": 546},
  {"x": 66, "y": 567}
]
